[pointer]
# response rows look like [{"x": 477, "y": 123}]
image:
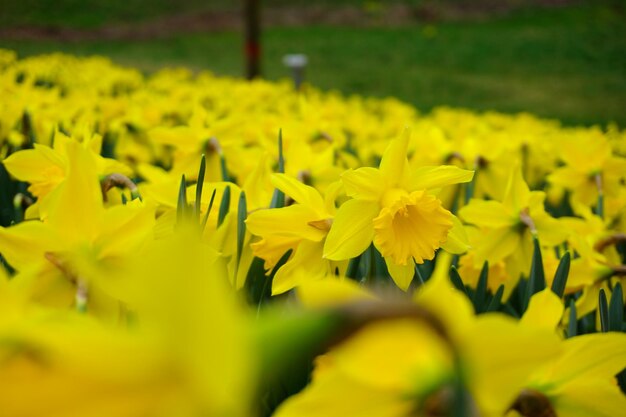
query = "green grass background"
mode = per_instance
[{"x": 567, "y": 63}]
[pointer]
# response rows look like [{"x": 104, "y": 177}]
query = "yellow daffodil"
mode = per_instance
[
  {"x": 45, "y": 168},
  {"x": 590, "y": 168},
  {"x": 507, "y": 227},
  {"x": 70, "y": 253},
  {"x": 396, "y": 209},
  {"x": 301, "y": 227}
]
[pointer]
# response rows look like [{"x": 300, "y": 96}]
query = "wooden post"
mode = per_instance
[{"x": 252, "y": 21}]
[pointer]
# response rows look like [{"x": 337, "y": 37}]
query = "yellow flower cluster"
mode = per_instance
[{"x": 183, "y": 244}]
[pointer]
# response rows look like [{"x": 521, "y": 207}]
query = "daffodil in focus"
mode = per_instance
[{"x": 397, "y": 209}]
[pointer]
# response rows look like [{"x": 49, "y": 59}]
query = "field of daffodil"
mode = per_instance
[{"x": 182, "y": 244}]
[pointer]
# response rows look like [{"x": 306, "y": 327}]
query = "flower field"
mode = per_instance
[{"x": 182, "y": 244}]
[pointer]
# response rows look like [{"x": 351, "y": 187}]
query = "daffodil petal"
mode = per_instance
[
  {"x": 544, "y": 310},
  {"x": 517, "y": 194},
  {"x": 394, "y": 165},
  {"x": 31, "y": 165},
  {"x": 352, "y": 230},
  {"x": 586, "y": 357},
  {"x": 457, "y": 242},
  {"x": 26, "y": 243},
  {"x": 286, "y": 221},
  {"x": 590, "y": 398},
  {"x": 429, "y": 177},
  {"x": 402, "y": 275},
  {"x": 75, "y": 208},
  {"x": 364, "y": 183},
  {"x": 300, "y": 192},
  {"x": 496, "y": 245},
  {"x": 306, "y": 264}
]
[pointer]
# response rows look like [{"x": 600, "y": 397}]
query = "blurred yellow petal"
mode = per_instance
[
  {"x": 544, "y": 310},
  {"x": 496, "y": 380},
  {"x": 331, "y": 291},
  {"x": 457, "y": 313},
  {"x": 334, "y": 394},
  {"x": 517, "y": 194},
  {"x": 76, "y": 206},
  {"x": 258, "y": 186},
  {"x": 27, "y": 243},
  {"x": 487, "y": 213},
  {"x": 124, "y": 229},
  {"x": 567, "y": 177},
  {"x": 586, "y": 357},
  {"x": 496, "y": 244},
  {"x": 35, "y": 165},
  {"x": 405, "y": 355},
  {"x": 590, "y": 398}
]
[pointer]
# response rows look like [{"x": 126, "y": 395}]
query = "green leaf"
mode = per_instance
[
  {"x": 353, "y": 268},
  {"x": 419, "y": 276},
  {"x": 278, "y": 198},
  {"x": 496, "y": 300},
  {"x": 181, "y": 207},
  {"x": 366, "y": 264},
  {"x": 225, "y": 176},
  {"x": 616, "y": 309},
  {"x": 28, "y": 131},
  {"x": 560, "y": 277},
  {"x": 224, "y": 206},
  {"x": 266, "y": 290},
  {"x": 536, "y": 279},
  {"x": 199, "y": 185},
  {"x": 508, "y": 309},
  {"x": 480, "y": 295},
  {"x": 469, "y": 187},
  {"x": 208, "y": 211},
  {"x": 380, "y": 267},
  {"x": 281, "y": 159},
  {"x": 572, "y": 327},
  {"x": 242, "y": 213},
  {"x": 603, "y": 309},
  {"x": 456, "y": 280},
  {"x": 254, "y": 278}
]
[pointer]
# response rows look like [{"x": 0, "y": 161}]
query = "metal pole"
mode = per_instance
[{"x": 252, "y": 20}]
